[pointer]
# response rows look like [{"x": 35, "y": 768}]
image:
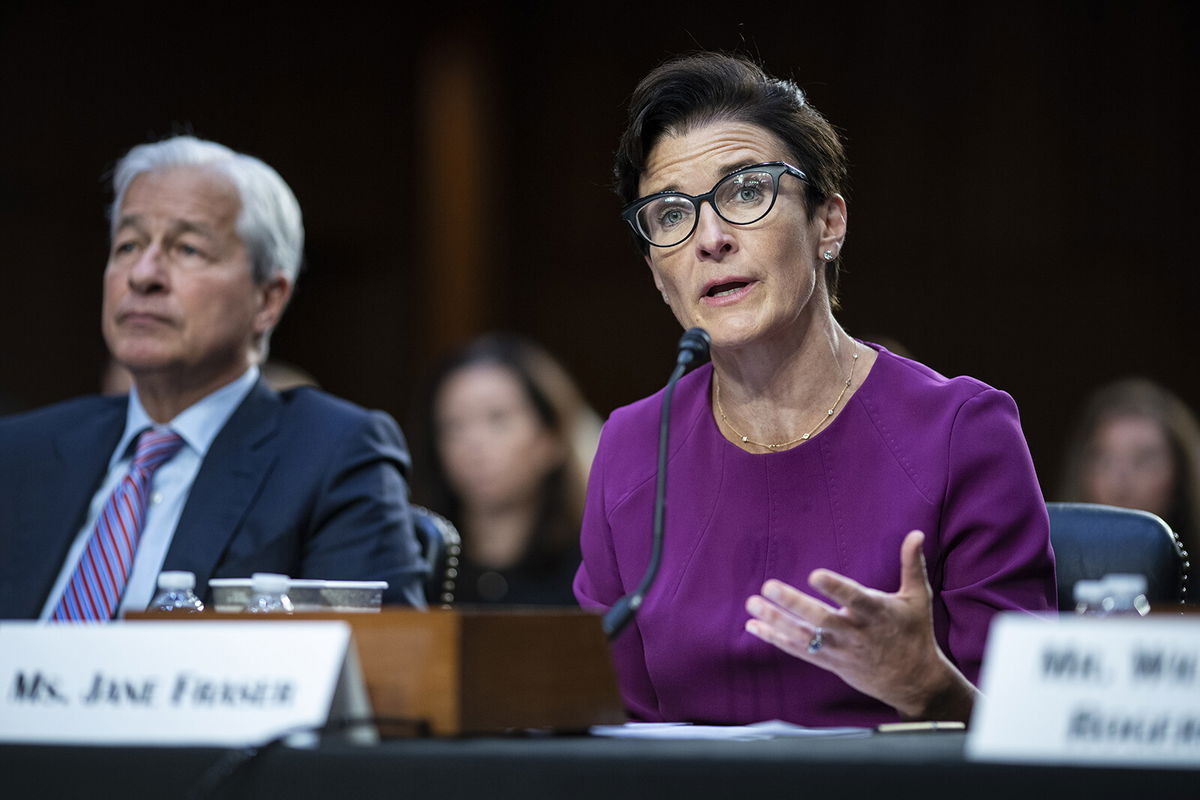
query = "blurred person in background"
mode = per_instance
[
  {"x": 510, "y": 443},
  {"x": 1137, "y": 445}
]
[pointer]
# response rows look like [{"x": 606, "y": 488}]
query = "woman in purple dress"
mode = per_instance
[{"x": 843, "y": 522}]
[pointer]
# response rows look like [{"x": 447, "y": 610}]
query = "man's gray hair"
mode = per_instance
[{"x": 269, "y": 222}]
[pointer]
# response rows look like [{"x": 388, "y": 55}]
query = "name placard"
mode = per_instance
[
  {"x": 1095, "y": 691},
  {"x": 174, "y": 683}
]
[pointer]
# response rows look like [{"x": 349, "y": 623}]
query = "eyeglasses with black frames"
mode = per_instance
[{"x": 665, "y": 219}]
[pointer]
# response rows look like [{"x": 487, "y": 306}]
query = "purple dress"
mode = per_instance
[{"x": 910, "y": 450}]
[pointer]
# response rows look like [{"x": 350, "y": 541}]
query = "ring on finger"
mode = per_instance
[{"x": 817, "y": 641}]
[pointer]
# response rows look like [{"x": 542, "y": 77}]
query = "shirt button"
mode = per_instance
[{"x": 156, "y": 498}]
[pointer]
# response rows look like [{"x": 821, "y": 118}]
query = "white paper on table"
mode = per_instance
[{"x": 757, "y": 731}]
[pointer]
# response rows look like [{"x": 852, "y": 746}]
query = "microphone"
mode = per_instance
[{"x": 693, "y": 351}]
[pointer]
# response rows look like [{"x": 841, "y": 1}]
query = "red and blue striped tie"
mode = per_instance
[{"x": 95, "y": 588}]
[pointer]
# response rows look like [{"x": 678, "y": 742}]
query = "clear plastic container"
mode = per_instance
[
  {"x": 1089, "y": 597},
  {"x": 176, "y": 595},
  {"x": 1125, "y": 595},
  {"x": 269, "y": 594}
]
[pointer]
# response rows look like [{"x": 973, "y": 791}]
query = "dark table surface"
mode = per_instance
[{"x": 924, "y": 765}]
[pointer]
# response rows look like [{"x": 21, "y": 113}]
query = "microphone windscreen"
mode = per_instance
[{"x": 693, "y": 346}]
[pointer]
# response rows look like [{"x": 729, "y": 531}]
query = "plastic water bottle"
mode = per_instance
[
  {"x": 268, "y": 594},
  {"x": 1125, "y": 595},
  {"x": 1089, "y": 598},
  {"x": 175, "y": 594}
]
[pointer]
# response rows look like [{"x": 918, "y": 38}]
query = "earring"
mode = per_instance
[
  {"x": 665, "y": 300},
  {"x": 827, "y": 255}
]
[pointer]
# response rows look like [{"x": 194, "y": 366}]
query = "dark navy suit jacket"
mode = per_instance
[{"x": 297, "y": 482}]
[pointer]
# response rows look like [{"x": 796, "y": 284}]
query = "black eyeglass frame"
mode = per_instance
[{"x": 777, "y": 170}]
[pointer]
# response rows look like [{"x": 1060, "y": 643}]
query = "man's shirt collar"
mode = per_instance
[{"x": 198, "y": 424}]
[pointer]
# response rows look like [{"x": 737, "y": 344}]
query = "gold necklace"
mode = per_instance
[{"x": 828, "y": 412}]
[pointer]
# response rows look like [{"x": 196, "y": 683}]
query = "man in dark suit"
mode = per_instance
[{"x": 206, "y": 245}]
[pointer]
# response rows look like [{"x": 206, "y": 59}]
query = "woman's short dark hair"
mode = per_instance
[{"x": 697, "y": 89}]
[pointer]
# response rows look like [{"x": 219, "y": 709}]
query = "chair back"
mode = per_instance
[
  {"x": 441, "y": 547},
  {"x": 1091, "y": 541}
]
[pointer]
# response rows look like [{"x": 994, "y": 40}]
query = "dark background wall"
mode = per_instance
[{"x": 1022, "y": 206}]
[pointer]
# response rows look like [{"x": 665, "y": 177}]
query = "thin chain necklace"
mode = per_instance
[{"x": 828, "y": 412}]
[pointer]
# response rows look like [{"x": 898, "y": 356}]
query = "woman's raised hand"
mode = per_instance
[{"x": 879, "y": 643}]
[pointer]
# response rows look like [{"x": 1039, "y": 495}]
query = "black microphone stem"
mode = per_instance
[{"x": 693, "y": 349}]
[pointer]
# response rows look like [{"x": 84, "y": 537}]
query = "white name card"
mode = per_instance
[
  {"x": 1096, "y": 691},
  {"x": 230, "y": 684}
]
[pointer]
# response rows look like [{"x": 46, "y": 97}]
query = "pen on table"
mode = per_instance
[{"x": 917, "y": 727}]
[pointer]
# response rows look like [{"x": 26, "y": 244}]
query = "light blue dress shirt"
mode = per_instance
[{"x": 198, "y": 425}]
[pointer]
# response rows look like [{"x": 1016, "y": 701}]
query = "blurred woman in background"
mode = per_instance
[
  {"x": 1138, "y": 446},
  {"x": 511, "y": 439}
]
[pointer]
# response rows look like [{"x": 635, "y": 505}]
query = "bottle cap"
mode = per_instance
[
  {"x": 269, "y": 583},
  {"x": 176, "y": 580}
]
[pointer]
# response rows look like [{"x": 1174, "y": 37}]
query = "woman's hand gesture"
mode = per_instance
[{"x": 879, "y": 643}]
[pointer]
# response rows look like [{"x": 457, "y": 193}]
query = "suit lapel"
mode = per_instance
[
  {"x": 83, "y": 453},
  {"x": 237, "y": 462},
  {"x": 54, "y": 502}
]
